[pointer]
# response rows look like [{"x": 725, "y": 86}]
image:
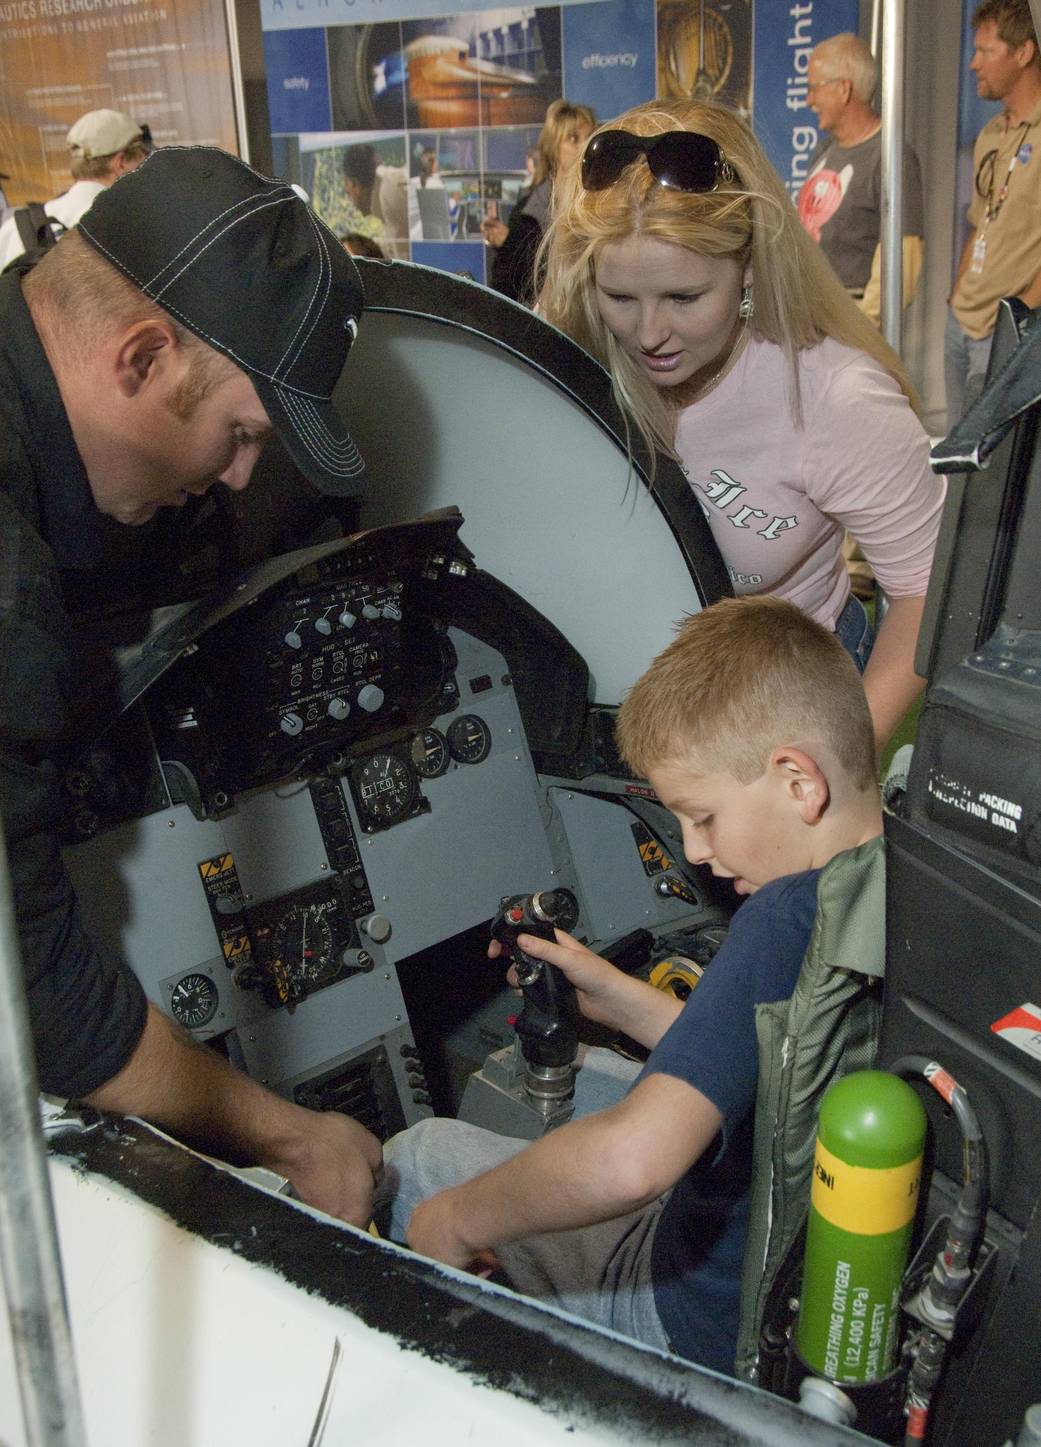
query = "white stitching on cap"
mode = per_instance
[
  {"x": 339, "y": 458},
  {"x": 193, "y": 326},
  {"x": 325, "y": 275},
  {"x": 247, "y": 201},
  {"x": 283, "y": 362},
  {"x": 265, "y": 203},
  {"x": 147, "y": 285}
]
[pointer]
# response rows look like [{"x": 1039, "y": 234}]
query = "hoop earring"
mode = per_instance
[{"x": 746, "y": 307}]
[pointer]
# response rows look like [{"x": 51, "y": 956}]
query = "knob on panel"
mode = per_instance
[
  {"x": 377, "y": 927},
  {"x": 370, "y": 697}
]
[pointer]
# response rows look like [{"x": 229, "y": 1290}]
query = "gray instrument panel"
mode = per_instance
[{"x": 266, "y": 896}]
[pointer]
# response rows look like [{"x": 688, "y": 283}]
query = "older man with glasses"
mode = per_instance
[{"x": 840, "y": 203}]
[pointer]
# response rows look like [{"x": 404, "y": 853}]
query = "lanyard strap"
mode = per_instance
[{"x": 992, "y": 211}]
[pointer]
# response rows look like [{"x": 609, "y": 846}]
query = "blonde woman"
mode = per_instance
[
  {"x": 676, "y": 257},
  {"x": 564, "y": 132}
]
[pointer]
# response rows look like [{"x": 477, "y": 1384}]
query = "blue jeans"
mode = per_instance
[
  {"x": 964, "y": 368},
  {"x": 854, "y": 632}
]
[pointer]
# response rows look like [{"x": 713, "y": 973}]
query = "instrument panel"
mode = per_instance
[{"x": 324, "y": 774}]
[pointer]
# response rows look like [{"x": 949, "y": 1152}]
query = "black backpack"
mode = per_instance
[{"x": 36, "y": 230}]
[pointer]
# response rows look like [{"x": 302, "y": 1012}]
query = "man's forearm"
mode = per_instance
[
  {"x": 200, "y": 1098},
  {"x": 871, "y": 301},
  {"x": 193, "y": 1093}
]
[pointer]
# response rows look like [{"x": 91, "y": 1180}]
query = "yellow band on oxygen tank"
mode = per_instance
[{"x": 863, "y": 1199}]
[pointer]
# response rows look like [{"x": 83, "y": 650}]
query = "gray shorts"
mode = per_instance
[{"x": 601, "y": 1273}]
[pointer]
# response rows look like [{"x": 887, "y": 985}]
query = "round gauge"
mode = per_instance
[
  {"x": 193, "y": 1001},
  {"x": 469, "y": 739},
  {"x": 303, "y": 941},
  {"x": 430, "y": 753},
  {"x": 385, "y": 786}
]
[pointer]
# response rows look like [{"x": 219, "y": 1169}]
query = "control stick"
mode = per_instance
[{"x": 548, "y": 1024}]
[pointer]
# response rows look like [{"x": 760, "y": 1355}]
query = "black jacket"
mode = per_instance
[{"x": 87, "y": 1009}]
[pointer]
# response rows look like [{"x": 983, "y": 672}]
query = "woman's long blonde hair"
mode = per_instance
[{"x": 798, "y": 298}]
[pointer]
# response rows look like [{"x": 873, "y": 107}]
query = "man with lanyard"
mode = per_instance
[
  {"x": 195, "y": 308},
  {"x": 1002, "y": 254}
]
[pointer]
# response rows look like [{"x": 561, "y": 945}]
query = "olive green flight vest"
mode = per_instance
[{"x": 828, "y": 1029}]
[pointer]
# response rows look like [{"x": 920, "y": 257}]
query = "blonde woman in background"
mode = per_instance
[
  {"x": 676, "y": 258},
  {"x": 564, "y": 132}
]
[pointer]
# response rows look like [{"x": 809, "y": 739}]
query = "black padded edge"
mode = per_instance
[{"x": 571, "y": 1371}]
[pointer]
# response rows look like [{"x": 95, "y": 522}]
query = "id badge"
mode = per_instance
[{"x": 979, "y": 253}]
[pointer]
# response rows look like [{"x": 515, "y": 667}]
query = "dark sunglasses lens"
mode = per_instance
[
  {"x": 684, "y": 161},
  {"x": 681, "y": 160},
  {"x": 606, "y": 157}
]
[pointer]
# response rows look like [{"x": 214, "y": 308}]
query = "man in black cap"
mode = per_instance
[{"x": 196, "y": 307}]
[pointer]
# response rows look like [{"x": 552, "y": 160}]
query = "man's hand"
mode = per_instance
[
  {"x": 433, "y": 1231},
  {"x": 331, "y": 1160},
  {"x": 334, "y": 1165},
  {"x": 494, "y": 231}
]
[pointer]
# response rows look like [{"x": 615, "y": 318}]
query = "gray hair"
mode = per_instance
[{"x": 846, "y": 57}]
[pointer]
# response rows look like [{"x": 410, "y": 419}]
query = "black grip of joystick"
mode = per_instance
[{"x": 548, "y": 1024}]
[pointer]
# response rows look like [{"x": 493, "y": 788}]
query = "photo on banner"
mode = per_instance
[
  {"x": 483, "y": 68},
  {"x": 609, "y": 57},
  {"x": 453, "y": 99},
  {"x": 705, "y": 51},
  {"x": 367, "y": 76}
]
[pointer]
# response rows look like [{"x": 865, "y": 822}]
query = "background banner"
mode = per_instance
[
  {"x": 784, "y": 36},
  {"x": 451, "y": 100},
  {"x": 163, "y": 63}
]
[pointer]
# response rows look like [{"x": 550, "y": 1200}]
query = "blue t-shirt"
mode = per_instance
[{"x": 699, "y": 1242}]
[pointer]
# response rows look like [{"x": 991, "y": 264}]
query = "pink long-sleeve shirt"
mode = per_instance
[{"x": 778, "y": 497}]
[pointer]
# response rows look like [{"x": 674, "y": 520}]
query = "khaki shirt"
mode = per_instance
[{"x": 1013, "y": 236}]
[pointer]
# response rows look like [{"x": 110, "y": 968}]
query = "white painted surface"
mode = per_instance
[
  {"x": 449, "y": 419},
  {"x": 181, "y": 1343}
]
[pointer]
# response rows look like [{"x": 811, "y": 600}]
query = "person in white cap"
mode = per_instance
[{"x": 103, "y": 145}]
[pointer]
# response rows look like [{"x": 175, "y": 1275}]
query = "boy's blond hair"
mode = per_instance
[{"x": 740, "y": 679}]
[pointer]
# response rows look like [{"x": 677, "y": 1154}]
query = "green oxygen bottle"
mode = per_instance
[{"x": 866, "y": 1171}]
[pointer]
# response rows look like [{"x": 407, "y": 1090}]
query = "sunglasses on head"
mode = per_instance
[{"x": 681, "y": 160}]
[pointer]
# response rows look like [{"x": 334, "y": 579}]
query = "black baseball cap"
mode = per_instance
[{"x": 244, "y": 263}]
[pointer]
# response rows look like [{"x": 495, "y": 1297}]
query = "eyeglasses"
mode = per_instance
[{"x": 681, "y": 160}]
